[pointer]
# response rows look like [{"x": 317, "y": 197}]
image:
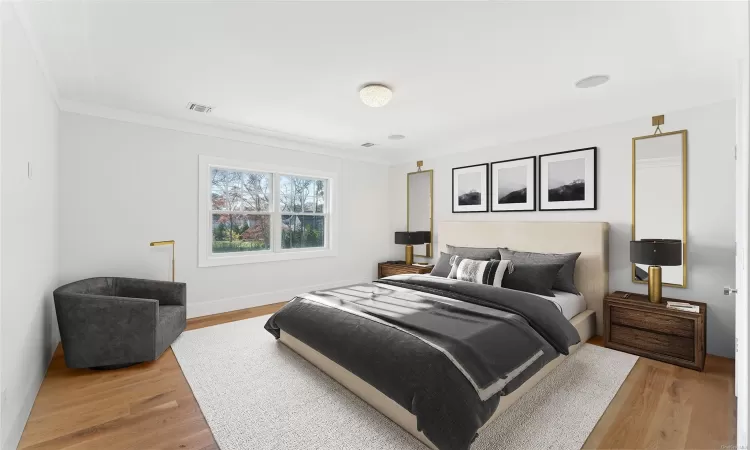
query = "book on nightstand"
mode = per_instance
[{"x": 682, "y": 306}]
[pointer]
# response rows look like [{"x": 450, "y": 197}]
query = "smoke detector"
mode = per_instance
[
  {"x": 368, "y": 144},
  {"x": 199, "y": 108}
]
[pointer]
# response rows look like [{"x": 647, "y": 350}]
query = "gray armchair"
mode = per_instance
[{"x": 108, "y": 323}]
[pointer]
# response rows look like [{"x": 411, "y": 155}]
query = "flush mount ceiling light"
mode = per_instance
[
  {"x": 396, "y": 137},
  {"x": 592, "y": 81},
  {"x": 375, "y": 95}
]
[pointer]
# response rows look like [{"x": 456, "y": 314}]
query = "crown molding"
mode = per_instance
[
  {"x": 23, "y": 18},
  {"x": 409, "y": 156},
  {"x": 230, "y": 131}
]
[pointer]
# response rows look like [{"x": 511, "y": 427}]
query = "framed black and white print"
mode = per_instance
[
  {"x": 567, "y": 180},
  {"x": 513, "y": 186},
  {"x": 470, "y": 186}
]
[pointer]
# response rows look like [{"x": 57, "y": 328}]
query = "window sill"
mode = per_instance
[{"x": 229, "y": 260}]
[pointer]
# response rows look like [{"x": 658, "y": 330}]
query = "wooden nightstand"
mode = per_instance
[
  {"x": 633, "y": 324},
  {"x": 388, "y": 269}
]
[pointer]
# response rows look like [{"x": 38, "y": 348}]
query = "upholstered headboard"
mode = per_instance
[{"x": 589, "y": 238}]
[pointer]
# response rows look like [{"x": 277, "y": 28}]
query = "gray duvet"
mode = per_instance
[{"x": 445, "y": 350}]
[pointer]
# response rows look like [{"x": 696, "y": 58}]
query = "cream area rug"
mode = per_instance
[{"x": 256, "y": 393}]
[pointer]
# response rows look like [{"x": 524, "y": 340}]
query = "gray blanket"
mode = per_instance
[{"x": 443, "y": 349}]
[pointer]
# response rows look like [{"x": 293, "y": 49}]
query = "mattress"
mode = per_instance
[
  {"x": 569, "y": 304},
  {"x": 584, "y": 323}
]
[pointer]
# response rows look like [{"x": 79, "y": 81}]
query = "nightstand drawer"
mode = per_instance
[
  {"x": 633, "y": 324},
  {"x": 665, "y": 344},
  {"x": 395, "y": 270},
  {"x": 388, "y": 269},
  {"x": 647, "y": 320}
]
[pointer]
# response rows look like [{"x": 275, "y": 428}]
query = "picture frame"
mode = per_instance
[
  {"x": 470, "y": 187},
  {"x": 513, "y": 185},
  {"x": 568, "y": 180}
]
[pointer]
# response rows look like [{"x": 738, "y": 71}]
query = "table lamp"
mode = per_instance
[
  {"x": 410, "y": 239},
  {"x": 656, "y": 253}
]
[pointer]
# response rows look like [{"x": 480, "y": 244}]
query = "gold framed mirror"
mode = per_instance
[
  {"x": 419, "y": 207},
  {"x": 659, "y": 201}
]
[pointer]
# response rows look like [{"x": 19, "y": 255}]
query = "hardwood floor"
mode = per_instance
[
  {"x": 147, "y": 406},
  {"x": 665, "y": 406},
  {"x": 150, "y": 406}
]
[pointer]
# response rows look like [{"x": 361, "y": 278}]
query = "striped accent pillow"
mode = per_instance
[{"x": 481, "y": 272}]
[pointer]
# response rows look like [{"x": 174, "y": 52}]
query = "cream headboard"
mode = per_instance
[{"x": 589, "y": 238}]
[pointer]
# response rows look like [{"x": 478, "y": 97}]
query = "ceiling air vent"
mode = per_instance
[
  {"x": 199, "y": 108},
  {"x": 368, "y": 144}
]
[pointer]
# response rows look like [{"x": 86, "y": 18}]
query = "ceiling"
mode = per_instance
[{"x": 464, "y": 75}]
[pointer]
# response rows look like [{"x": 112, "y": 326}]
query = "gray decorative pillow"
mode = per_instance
[
  {"x": 534, "y": 278},
  {"x": 479, "y": 254},
  {"x": 564, "y": 281},
  {"x": 442, "y": 266}
]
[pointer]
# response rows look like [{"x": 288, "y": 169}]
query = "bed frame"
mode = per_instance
[{"x": 591, "y": 277}]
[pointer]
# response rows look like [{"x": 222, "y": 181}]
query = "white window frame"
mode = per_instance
[{"x": 206, "y": 257}]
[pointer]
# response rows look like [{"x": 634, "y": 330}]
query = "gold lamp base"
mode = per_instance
[
  {"x": 409, "y": 254},
  {"x": 654, "y": 284}
]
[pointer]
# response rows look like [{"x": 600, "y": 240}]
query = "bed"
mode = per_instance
[{"x": 591, "y": 278}]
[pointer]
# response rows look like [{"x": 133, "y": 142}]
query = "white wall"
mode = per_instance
[
  {"x": 29, "y": 226},
  {"x": 711, "y": 214},
  {"x": 123, "y": 185}
]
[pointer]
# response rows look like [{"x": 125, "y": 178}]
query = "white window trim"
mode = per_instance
[{"x": 206, "y": 258}]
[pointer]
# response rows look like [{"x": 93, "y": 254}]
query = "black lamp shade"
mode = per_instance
[
  {"x": 656, "y": 252},
  {"x": 411, "y": 238}
]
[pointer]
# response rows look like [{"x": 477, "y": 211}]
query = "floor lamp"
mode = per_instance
[{"x": 159, "y": 244}]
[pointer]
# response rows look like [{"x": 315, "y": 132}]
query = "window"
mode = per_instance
[
  {"x": 259, "y": 213},
  {"x": 240, "y": 211},
  {"x": 303, "y": 208}
]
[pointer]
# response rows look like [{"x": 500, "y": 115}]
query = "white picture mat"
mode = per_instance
[
  {"x": 529, "y": 165},
  {"x": 589, "y": 164},
  {"x": 481, "y": 207}
]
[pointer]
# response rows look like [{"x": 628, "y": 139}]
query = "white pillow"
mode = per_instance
[{"x": 481, "y": 272}]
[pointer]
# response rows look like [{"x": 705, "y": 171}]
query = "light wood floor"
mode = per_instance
[{"x": 150, "y": 406}]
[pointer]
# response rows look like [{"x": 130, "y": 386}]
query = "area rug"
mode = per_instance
[{"x": 256, "y": 393}]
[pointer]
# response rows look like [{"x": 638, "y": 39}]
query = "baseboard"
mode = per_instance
[
  {"x": 15, "y": 429},
  {"x": 198, "y": 309}
]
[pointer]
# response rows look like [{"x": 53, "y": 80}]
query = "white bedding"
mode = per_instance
[{"x": 569, "y": 304}]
